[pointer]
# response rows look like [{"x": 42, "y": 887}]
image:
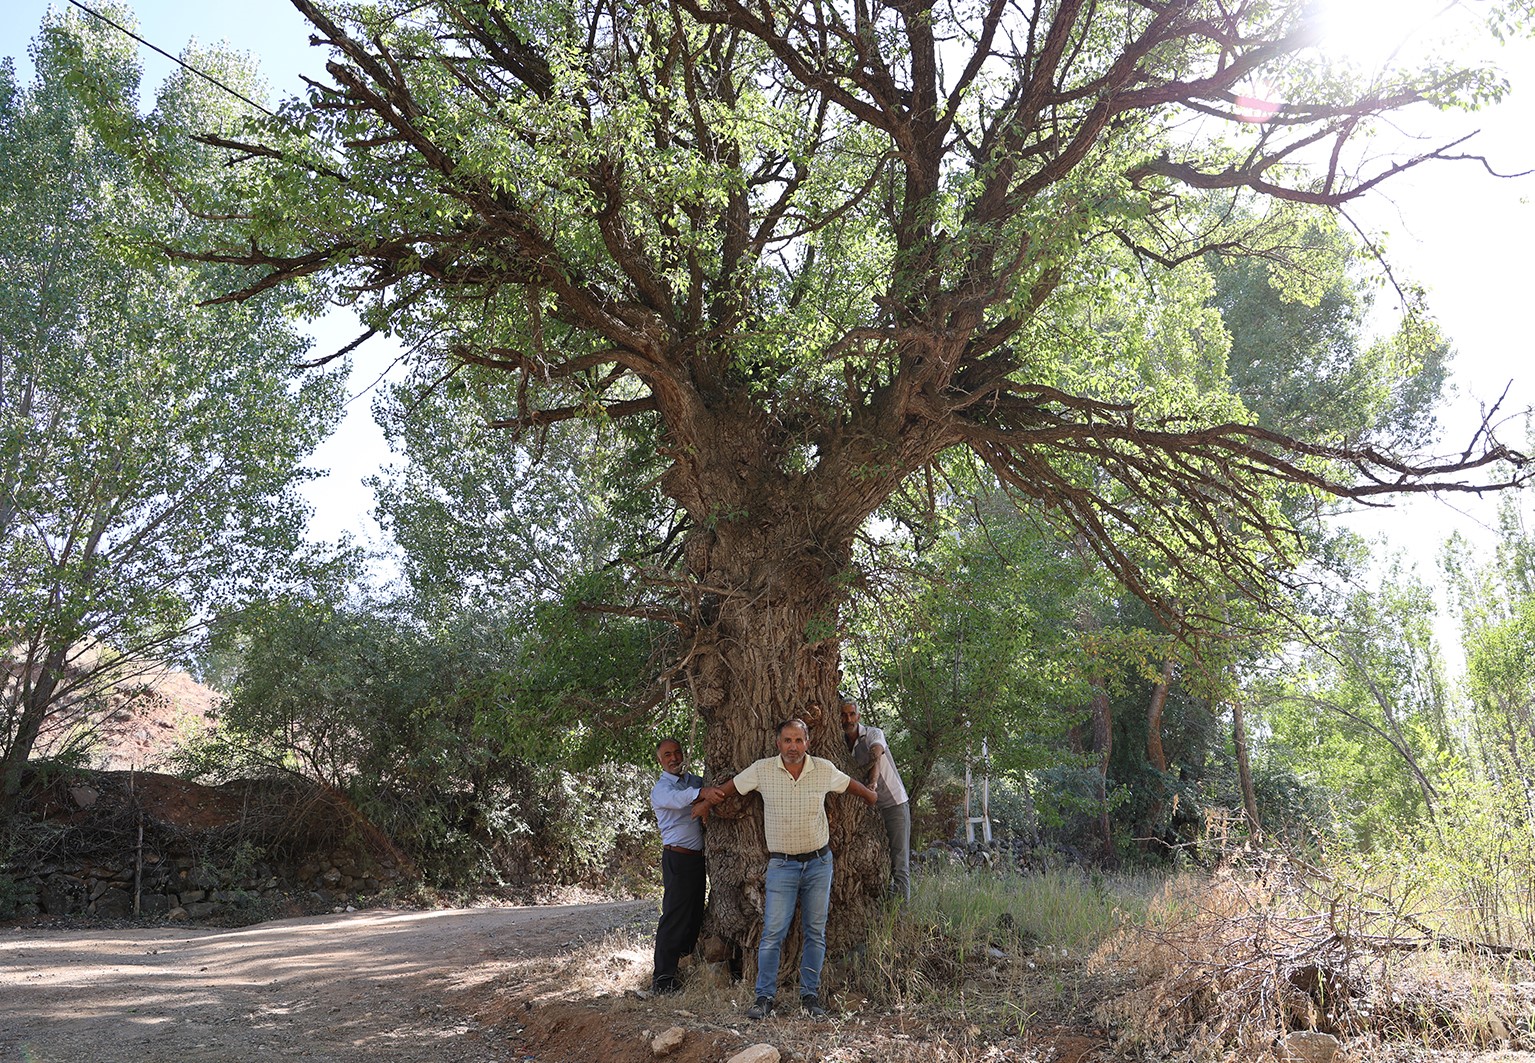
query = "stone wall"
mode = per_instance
[
  {"x": 182, "y": 887},
  {"x": 123, "y": 844}
]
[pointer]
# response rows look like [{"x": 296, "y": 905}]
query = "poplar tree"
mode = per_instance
[
  {"x": 150, "y": 448},
  {"x": 807, "y": 249}
]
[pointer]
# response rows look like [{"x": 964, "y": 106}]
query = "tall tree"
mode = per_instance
[
  {"x": 811, "y": 248},
  {"x": 1362, "y": 713},
  {"x": 489, "y": 527},
  {"x": 1495, "y": 599},
  {"x": 1304, "y": 362},
  {"x": 967, "y": 632},
  {"x": 149, "y": 448}
]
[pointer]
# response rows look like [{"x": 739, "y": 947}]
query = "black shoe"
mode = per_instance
[
  {"x": 761, "y": 1009},
  {"x": 812, "y": 1005},
  {"x": 665, "y": 986}
]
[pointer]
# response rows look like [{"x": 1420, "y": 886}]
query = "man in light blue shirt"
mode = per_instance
[{"x": 682, "y": 863}]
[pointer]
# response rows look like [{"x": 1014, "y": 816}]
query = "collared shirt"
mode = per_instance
[
  {"x": 890, "y": 788},
  {"x": 672, "y": 797},
  {"x": 793, "y": 810}
]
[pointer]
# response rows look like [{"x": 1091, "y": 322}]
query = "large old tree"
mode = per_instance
[{"x": 811, "y": 247}]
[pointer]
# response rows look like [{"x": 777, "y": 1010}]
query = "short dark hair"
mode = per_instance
[
  {"x": 668, "y": 738},
  {"x": 795, "y": 721}
]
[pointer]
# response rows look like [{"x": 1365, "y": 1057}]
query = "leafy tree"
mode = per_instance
[
  {"x": 488, "y": 525},
  {"x": 1495, "y": 600},
  {"x": 984, "y": 625},
  {"x": 967, "y": 637},
  {"x": 809, "y": 249},
  {"x": 1303, "y": 362},
  {"x": 149, "y": 448},
  {"x": 987, "y": 624},
  {"x": 454, "y": 738},
  {"x": 1364, "y": 715}
]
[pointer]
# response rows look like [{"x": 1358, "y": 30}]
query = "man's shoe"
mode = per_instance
[
  {"x": 812, "y": 1005},
  {"x": 761, "y": 1009},
  {"x": 665, "y": 986}
]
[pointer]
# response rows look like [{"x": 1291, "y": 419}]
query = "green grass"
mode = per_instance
[
  {"x": 1068, "y": 908},
  {"x": 992, "y": 942}
]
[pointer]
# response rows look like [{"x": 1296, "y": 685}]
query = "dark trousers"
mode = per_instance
[{"x": 682, "y": 913}]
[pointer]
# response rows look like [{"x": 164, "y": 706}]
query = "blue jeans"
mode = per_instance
[{"x": 790, "y": 882}]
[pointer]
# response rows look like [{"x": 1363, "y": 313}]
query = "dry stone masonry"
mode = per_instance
[
  {"x": 124, "y": 844},
  {"x": 182, "y": 888}
]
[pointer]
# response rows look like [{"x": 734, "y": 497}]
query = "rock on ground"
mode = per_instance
[
  {"x": 668, "y": 1041},
  {"x": 755, "y": 1054},
  {"x": 1305, "y": 1046}
]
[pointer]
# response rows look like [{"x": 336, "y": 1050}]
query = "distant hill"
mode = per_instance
[{"x": 142, "y": 723}]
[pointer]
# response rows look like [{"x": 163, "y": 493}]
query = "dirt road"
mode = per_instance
[{"x": 361, "y": 987}]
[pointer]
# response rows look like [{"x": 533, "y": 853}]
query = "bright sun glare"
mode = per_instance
[{"x": 1371, "y": 33}]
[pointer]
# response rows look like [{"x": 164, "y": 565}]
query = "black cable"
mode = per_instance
[{"x": 192, "y": 69}]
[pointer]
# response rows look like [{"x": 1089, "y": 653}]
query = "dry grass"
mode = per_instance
[
  {"x": 961, "y": 975},
  {"x": 606, "y": 973},
  {"x": 999, "y": 950},
  {"x": 985, "y": 967},
  {"x": 1227, "y": 965}
]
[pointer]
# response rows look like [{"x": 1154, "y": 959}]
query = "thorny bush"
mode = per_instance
[{"x": 1270, "y": 945}]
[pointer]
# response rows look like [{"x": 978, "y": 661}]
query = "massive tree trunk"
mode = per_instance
[
  {"x": 764, "y": 669},
  {"x": 770, "y": 577}
]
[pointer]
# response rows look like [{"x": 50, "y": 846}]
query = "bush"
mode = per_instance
[
  {"x": 9, "y": 895},
  {"x": 1480, "y": 857},
  {"x": 1237, "y": 961},
  {"x": 474, "y": 744}
]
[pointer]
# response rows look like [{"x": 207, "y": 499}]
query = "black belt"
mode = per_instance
[
  {"x": 682, "y": 849},
  {"x": 801, "y": 857}
]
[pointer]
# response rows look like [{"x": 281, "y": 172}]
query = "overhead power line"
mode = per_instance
[{"x": 185, "y": 66}]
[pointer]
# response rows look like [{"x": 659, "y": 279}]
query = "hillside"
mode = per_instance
[{"x": 141, "y": 724}]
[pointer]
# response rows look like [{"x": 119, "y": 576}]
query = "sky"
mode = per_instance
[
  {"x": 1451, "y": 227},
  {"x": 278, "y": 36},
  {"x": 1464, "y": 234}
]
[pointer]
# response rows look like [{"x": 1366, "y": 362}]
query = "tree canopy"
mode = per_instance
[
  {"x": 809, "y": 249},
  {"x": 824, "y": 243},
  {"x": 149, "y": 448}
]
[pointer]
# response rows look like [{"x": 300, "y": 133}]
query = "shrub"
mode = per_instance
[
  {"x": 475, "y": 745},
  {"x": 1236, "y": 961}
]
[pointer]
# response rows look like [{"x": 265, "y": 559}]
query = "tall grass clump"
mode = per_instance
[{"x": 979, "y": 937}]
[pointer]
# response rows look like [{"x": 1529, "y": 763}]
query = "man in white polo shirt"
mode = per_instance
[
  {"x": 869, "y": 750},
  {"x": 794, "y": 786}
]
